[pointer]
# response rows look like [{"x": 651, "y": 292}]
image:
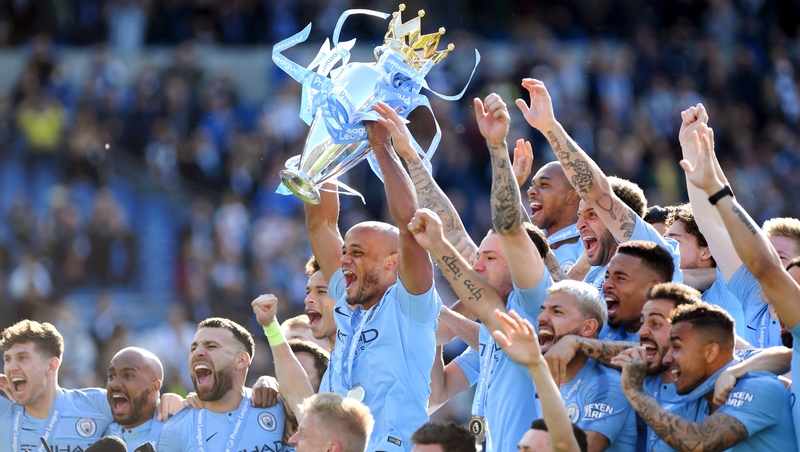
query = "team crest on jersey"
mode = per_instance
[
  {"x": 267, "y": 422},
  {"x": 86, "y": 427},
  {"x": 573, "y": 412}
]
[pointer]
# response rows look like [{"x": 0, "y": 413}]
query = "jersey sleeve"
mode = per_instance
[
  {"x": 528, "y": 303},
  {"x": 171, "y": 437},
  {"x": 756, "y": 402},
  {"x": 718, "y": 294},
  {"x": 422, "y": 308},
  {"x": 745, "y": 287},
  {"x": 645, "y": 231},
  {"x": 470, "y": 364},
  {"x": 336, "y": 285},
  {"x": 96, "y": 397}
]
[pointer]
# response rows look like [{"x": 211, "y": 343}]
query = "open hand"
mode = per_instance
[
  {"x": 518, "y": 339},
  {"x": 493, "y": 119},
  {"x": 168, "y": 405},
  {"x": 703, "y": 173},
  {"x": 523, "y": 161},
  {"x": 539, "y": 113},
  {"x": 394, "y": 125}
]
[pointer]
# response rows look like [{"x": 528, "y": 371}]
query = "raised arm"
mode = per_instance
[
  {"x": 323, "y": 232},
  {"x": 582, "y": 172},
  {"x": 524, "y": 260},
  {"x": 293, "y": 380},
  {"x": 750, "y": 242},
  {"x": 467, "y": 330},
  {"x": 717, "y": 432},
  {"x": 414, "y": 264},
  {"x": 431, "y": 196},
  {"x": 708, "y": 219},
  {"x": 475, "y": 292},
  {"x": 562, "y": 352},
  {"x": 518, "y": 340},
  {"x": 446, "y": 381}
]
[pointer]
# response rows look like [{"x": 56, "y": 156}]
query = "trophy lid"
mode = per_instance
[{"x": 416, "y": 48}]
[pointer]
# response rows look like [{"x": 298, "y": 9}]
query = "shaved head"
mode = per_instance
[{"x": 148, "y": 363}]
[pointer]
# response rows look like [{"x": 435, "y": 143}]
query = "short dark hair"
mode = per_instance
[
  {"x": 45, "y": 337},
  {"x": 657, "y": 214},
  {"x": 312, "y": 266},
  {"x": 239, "y": 332},
  {"x": 652, "y": 255},
  {"x": 709, "y": 319},
  {"x": 629, "y": 193},
  {"x": 680, "y": 294},
  {"x": 536, "y": 235},
  {"x": 580, "y": 435},
  {"x": 451, "y": 436},
  {"x": 321, "y": 358},
  {"x": 684, "y": 214}
]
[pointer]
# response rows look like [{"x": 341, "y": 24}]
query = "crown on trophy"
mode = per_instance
[{"x": 407, "y": 39}]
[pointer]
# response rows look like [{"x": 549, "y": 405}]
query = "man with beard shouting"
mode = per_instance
[{"x": 219, "y": 359}]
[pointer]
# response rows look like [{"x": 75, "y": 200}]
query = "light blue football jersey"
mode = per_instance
[
  {"x": 641, "y": 231},
  {"x": 761, "y": 330},
  {"x": 243, "y": 429},
  {"x": 655, "y": 387},
  {"x": 567, "y": 253},
  {"x": 392, "y": 360},
  {"x": 76, "y": 420},
  {"x": 618, "y": 334},
  {"x": 135, "y": 437},
  {"x": 761, "y": 403},
  {"x": 470, "y": 363},
  {"x": 595, "y": 402},
  {"x": 718, "y": 294},
  {"x": 510, "y": 403}
]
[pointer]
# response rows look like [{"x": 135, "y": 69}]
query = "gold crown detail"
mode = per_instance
[{"x": 407, "y": 39}]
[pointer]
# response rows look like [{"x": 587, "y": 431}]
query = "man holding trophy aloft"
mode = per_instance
[{"x": 385, "y": 345}]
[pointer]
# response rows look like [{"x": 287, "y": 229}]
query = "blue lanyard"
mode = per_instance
[
  {"x": 351, "y": 345},
  {"x": 487, "y": 367},
  {"x": 565, "y": 234},
  {"x": 236, "y": 429},
  {"x": 56, "y": 413}
]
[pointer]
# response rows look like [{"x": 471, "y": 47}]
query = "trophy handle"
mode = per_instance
[{"x": 300, "y": 184}]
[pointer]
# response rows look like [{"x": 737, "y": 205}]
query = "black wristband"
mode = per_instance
[{"x": 726, "y": 191}]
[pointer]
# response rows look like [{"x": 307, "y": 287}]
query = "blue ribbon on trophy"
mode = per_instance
[{"x": 336, "y": 102}]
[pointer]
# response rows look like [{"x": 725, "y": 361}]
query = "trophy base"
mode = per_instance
[{"x": 297, "y": 182}]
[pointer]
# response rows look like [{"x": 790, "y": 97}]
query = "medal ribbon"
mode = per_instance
[
  {"x": 233, "y": 434},
  {"x": 50, "y": 425},
  {"x": 352, "y": 345}
]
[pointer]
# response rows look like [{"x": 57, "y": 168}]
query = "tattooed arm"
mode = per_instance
[
  {"x": 563, "y": 351},
  {"x": 474, "y": 291},
  {"x": 583, "y": 173},
  {"x": 717, "y": 432},
  {"x": 750, "y": 242},
  {"x": 524, "y": 261},
  {"x": 432, "y": 197}
]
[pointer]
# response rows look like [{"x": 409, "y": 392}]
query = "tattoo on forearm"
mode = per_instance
[
  {"x": 581, "y": 176},
  {"x": 506, "y": 204},
  {"x": 618, "y": 211},
  {"x": 474, "y": 290},
  {"x": 717, "y": 432},
  {"x": 554, "y": 267},
  {"x": 746, "y": 220},
  {"x": 451, "y": 264},
  {"x": 430, "y": 195},
  {"x": 602, "y": 351}
]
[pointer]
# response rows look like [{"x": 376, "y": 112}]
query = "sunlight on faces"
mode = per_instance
[
  {"x": 691, "y": 252},
  {"x": 27, "y": 370},
  {"x": 534, "y": 441},
  {"x": 560, "y": 316},
  {"x": 548, "y": 196},
  {"x": 319, "y": 307},
  {"x": 598, "y": 241},
  {"x": 686, "y": 355},
  {"x": 625, "y": 289},
  {"x": 369, "y": 262},
  {"x": 307, "y": 362},
  {"x": 786, "y": 248},
  {"x": 654, "y": 333},
  {"x": 132, "y": 388},
  {"x": 211, "y": 362},
  {"x": 306, "y": 333},
  {"x": 310, "y": 435},
  {"x": 491, "y": 264}
]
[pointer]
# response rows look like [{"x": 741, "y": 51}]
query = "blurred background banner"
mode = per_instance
[{"x": 140, "y": 141}]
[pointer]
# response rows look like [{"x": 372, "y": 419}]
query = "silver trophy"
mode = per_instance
[{"x": 338, "y": 106}]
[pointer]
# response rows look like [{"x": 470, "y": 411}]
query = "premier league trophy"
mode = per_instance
[{"x": 335, "y": 107}]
